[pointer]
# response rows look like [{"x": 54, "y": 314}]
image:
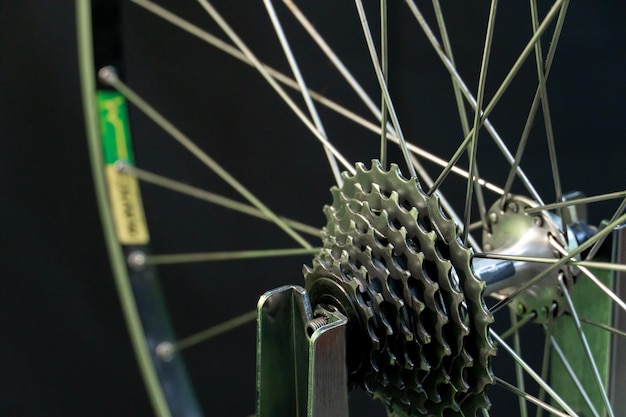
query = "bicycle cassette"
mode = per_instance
[{"x": 418, "y": 329}]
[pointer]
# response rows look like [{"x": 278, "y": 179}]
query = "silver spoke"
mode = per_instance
[
  {"x": 519, "y": 372},
  {"x": 214, "y": 331},
  {"x": 532, "y": 373},
  {"x": 108, "y": 76},
  {"x": 460, "y": 104},
  {"x": 616, "y": 299},
  {"x": 526, "y": 396},
  {"x": 177, "y": 258},
  {"x": 302, "y": 87},
  {"x": 445, "y": 204},
  {"x": 458, "y": 95},
  {"x": 518, "y": 325},
  {"x": 477, "y": 118},
  {"x": 334, "y": 59},
  {"x": 537, "y": 99},
  {"x": 384, "y": 64},
  {"x": 545, "y": 106},
  {"x": 545, "y": 363},
  {"x": 587, "y": 349},
  {"x": 574, "y": 262},
  {"x": 503, "y": 86},
  {"x": 577, "y": 201},
  {"x": 572, "y": 375},
  {"x": 602, "y": 326},
  {"x": 383, "y": 86},
  {"x": 272, "y": 82},
  {"x": 180, "y": 187},
  {"x": 594, "y": 250}
]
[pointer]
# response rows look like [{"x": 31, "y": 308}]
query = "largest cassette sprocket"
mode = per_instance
[{"x": 418, "y": 327}]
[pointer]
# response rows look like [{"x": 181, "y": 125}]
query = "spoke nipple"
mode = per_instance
[
  {"x": 137, "y": 259},
  {"x": 108, "y": 75},
  {"x": 493, "y": 217},
  {"x": 521, "y": 309},
  {"x": 165, "y": 351},
  {"x": 121, "y": 166}
]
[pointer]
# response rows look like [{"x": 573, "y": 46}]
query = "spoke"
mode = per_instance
[
  {"x": 546, "y": 272},
  {"x": 532, "y": 373},
  {"x": 354, "y": 84},
  {"x": 302, "y": 87},
  {"x": 585, "y": 344},
  {"x": 476, "y": 225},
  {"x": 603, "y": 326},
  {"x": 214, "y": 331},
  {"x": 537, "y": 99},
  {"x": 460, "y": 106},
  {"x": 334, "y": 59},
  {"x": 546, "y": 108},
  {"x": 176, "y": 258},
  {"x": 272, "y": 82},
  {"x": 109, "y": 76},
  {"x": 445, "y": 204},
  {"x": 572, "y": 375},
  {"x": 480, "y": 198},
  {"x": 504, "y": 85},
  {"x": 519, "y": 372},
  {"x": 452, "y": 163},
  {"x": 590, "y": 264},
  {"x": 458, "y": 95},
  {"x": 594, "y": 250},
  {"x": 577, "y": 201},
  {"x": 518, "y": 325},
  {"x": 529, "y": 397},
  {"x": 210, "y": 197},
  {"x": 477, "y": 118},
  {"x": 545, "y": 363},
  {"x": 616, "y": 299},
  {"x": 451, "y": 168},
  {"x": 384, "y": 64},
  {"x": 383, "y": 86},
  {"x": 285, "y": 80}
]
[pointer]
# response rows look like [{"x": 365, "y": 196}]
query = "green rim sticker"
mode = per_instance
[
  {"x": 115, "y": 128},
  {"x": 124, "y": 194}
]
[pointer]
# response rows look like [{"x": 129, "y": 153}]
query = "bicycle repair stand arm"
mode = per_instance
[{"x": 301, "y": 357}]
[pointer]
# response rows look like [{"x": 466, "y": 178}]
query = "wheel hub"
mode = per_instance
[{"x": 514, "y": 232}]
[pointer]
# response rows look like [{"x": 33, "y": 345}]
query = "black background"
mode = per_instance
[{"x": 63, "y": 344}]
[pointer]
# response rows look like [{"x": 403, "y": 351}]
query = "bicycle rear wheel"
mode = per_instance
[{"x": 258, "y": 150}]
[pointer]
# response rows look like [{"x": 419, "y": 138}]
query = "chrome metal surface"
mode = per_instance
[
  {"x": 328, "y": 373},
  {"x": 514, "y": 232},
  {"x": 301, "y": 360}
]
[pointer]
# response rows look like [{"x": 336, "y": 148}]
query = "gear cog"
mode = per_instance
[{"x": 418, "y": 327}]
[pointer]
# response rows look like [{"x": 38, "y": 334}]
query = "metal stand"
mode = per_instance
[{"x": 301, "y": 357}]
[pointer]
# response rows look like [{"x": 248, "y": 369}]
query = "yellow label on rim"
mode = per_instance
[{"x": 125, "y": 200}]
